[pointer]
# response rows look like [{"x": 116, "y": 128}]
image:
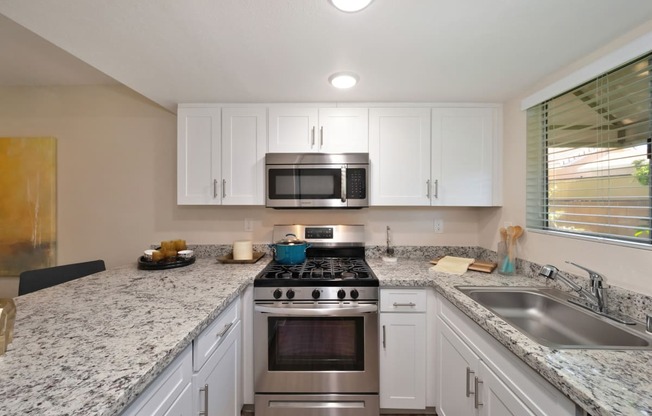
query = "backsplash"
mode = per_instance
[{"x": 618, "y": 299}]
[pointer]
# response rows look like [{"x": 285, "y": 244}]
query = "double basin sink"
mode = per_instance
[{"x": 546, "y": 316}]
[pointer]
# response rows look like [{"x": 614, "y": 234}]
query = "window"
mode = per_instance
[{"x": 588, "y": 157}]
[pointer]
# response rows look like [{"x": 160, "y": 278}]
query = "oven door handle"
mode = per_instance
[{"x": 284, "y": 310}]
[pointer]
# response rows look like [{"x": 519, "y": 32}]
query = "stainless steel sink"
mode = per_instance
[{"x": 546, "y": 316}]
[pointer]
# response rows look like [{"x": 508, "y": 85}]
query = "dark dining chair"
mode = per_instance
[{"x": 33, "y": 280}]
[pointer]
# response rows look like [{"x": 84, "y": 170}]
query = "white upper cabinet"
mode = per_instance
[
  {"x": 311, "y": 129},
  {"x": 198, "y": 156},
  {"x": 220, "y": 155},
  {"x": 419, "y": 156},
  {"x": 439, "y": 157},
  {"x": 244, "y": 143},
  {"x": 344, "y": 130},
  {"x": 399, "y": 153},
  {"x": 463, "y": 152},
  {"x": 292, "y": 129}
]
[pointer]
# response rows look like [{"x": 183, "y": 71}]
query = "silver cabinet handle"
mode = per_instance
[
  {"x": 225, "y": 330},
  {"x": 343, "y": 192},
  {"x": 223, "y": 188},
  {"x": 384, "y": 339},
  {"x": 214, "y": 188},
  {"x": 205, "y": 390},
  {"x": 468, "y": 381},
  {"x": 436, "y": 188},
  {"x": 321, "y": 136},
  {"x": 312, "y": 135},
  {"x": 428, "y": 189},
  {"x": 476, "y": 399},
  {"x": 410, "y": 304}
]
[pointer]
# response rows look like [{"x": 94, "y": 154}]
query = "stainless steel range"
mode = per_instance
[{"x": 316, "y": 328}]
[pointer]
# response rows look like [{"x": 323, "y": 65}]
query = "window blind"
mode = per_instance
[{"x": 588, "y": 157}]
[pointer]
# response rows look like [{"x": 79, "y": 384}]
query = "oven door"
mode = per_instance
[
  {"x": 315, "y": 186},
  {"x": 316, "y": 347}
]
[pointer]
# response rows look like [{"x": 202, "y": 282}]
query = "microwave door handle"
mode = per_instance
[{"x": 343, "y": 184}]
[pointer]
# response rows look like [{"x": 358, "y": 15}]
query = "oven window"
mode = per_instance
[
  {"x": 305, "y": 183},
  {"x": 316, "y": 344}
]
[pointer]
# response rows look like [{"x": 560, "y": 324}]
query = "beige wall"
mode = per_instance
[
  {"x": 117, "y": 183},
  {"x": 625, "y": 267},
  {"x": 117, "y": 187}
]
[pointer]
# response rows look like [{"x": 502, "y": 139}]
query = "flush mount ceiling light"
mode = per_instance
[
  {"x": 343, "y": 80},
  {"x": 350, "y": 6}
]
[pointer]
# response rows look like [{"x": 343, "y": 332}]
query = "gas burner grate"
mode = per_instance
[{"x": 326, "y": 268}]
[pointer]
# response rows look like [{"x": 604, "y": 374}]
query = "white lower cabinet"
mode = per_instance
[
  {"x": 205, "y": 379},
  {"x": 170, "y": 393},
  {"x": 455, "y": 366},
  {"x": 216, "y": 386},
  {"x": 403, "y": 349},
  {"x": 477, "y": 376}
]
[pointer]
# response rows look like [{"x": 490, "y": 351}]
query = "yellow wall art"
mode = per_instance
[{"x": 28, "y": 237}]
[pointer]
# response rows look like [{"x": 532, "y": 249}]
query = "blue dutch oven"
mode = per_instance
[{"x": 290, "y": 250}]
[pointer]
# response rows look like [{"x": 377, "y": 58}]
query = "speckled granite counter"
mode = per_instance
[
  {"x": 89, "y": 346},
  {"x": 603, "y": 382}
]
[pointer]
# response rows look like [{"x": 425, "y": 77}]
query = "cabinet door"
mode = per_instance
[
  {"x": 462, "y": 156},
  {"x": 198, "y": 156},
  {"x": 457, "y": 367},
  {"x": 292, "y": 129},
  {"x": 402, "y": 361},
  {"x": 399, "y": 152},
  {"x": 216, "y": 386},
  {"x": 496, "y": 398},
  {"x": 183, "y": 405},
  {"x": 244, "y": 143},
  {"x": 344, "y": 130}
]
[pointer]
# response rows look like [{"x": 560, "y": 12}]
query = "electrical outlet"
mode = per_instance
[
  {"x": 248, "y": 224},
  {"x": 438, "y": 226}
]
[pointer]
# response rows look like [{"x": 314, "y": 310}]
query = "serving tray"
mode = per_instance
[
  {"x": 228, "y": 259},
  {"x": 477, "y": 266},
  {"x": 164, "y": 264}
]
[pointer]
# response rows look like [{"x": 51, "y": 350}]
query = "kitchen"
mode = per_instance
[{"x": 117, "y": 158}]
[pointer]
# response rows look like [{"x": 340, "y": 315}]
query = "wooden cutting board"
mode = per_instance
[{"x": 476, "y": 266}]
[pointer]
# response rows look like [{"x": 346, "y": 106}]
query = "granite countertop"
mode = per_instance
[
  {"x": 603, "y": 382},
  {"x": 91, "y": 345}
]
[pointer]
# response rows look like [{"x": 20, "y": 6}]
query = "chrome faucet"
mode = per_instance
[
  {"x": 597, "y": 297},
  {"x": 594, "y": 300}
]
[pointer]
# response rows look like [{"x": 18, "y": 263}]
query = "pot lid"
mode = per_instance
[{"x": 290, "y": 239}]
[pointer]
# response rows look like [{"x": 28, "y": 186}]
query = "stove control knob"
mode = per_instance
[
  {"x": 341, "y": 294},
  {"x": 277, "y": 293},
  {"x": 290, "y": 293},
  {"x": 316, "y": 293},
  {"x": 354, "y": 294}
]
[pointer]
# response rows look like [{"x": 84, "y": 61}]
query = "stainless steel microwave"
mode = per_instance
[{"x": 317, "y": 180}]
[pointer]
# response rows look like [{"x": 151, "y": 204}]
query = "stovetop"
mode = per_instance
[
  {"x": 335, "y": 268},
  {"x": 319, "y": 271}
]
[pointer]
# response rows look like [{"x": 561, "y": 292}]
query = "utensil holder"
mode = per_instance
[{"x": 506, "y": 259}]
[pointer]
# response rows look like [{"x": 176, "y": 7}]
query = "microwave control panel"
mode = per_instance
[{"x": 356, "y": 183}]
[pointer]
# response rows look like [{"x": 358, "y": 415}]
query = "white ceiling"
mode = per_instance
[{"x": 284, "y": 50}]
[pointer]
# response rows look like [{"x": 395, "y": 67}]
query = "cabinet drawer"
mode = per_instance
[
  {"x": 215, "y": 333},
  {"x": 403, "y": 300}
]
